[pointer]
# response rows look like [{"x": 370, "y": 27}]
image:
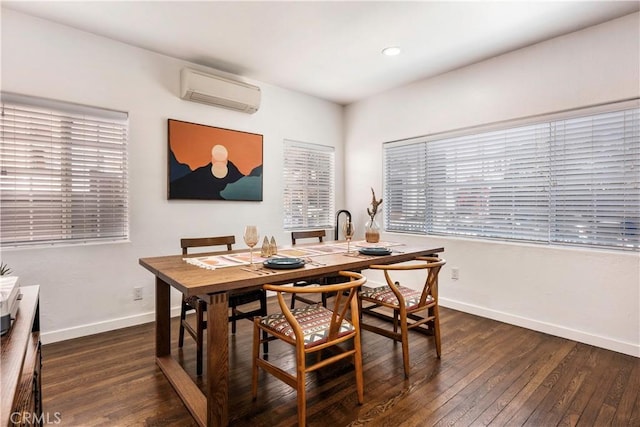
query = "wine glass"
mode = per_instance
[
  {"x": 348, "y": 229},
  {"x": 251, "y": 239}
]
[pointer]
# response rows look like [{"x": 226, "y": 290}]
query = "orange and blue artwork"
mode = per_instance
[{"x": 211, "y": 163}]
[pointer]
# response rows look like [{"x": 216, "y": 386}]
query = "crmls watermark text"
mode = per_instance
[{"x": 31, "y": 418}]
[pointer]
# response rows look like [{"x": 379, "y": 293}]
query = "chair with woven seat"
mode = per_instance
[
  {"x": 412, "y": 309},
  {"x": 310, "y": 234},
  {"x": 311, "y": 329},
  {"x": 200, "y": 307}
]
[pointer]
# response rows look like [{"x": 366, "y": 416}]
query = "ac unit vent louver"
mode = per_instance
[{"x": 219, "y": 91}]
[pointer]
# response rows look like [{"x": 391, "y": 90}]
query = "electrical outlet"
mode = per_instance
[
  {"x": 455, "y": 273},
  {"x": 137, "y": 294}
]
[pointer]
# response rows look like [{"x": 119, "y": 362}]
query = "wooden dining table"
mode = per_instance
[{"x": 213, "y": 286}]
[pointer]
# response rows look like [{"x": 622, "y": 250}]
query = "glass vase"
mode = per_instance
[{"x": 372, "y": 231}]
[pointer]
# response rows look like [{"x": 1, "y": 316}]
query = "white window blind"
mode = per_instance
[
  {"x": 595, "y": 189},
  {"x": 492, "y": 184},
  {"x": 309, "y": 185},
  {"x": 571, "y": 180},
  {"x": 63, "y": 173},
  {"x": 405, "y": 194}
]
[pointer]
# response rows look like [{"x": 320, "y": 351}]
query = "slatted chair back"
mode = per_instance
[
  {"x": 318, "y": 234},
  {"x": 199, "y": 242}
]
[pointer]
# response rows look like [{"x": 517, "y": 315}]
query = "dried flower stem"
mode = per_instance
[
  {"x": 374, "y": 205},
  {"x": 4, "y": 269}
]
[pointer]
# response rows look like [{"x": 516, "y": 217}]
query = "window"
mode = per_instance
[
  {"x": 63, "y": 174},
  {"x": 570, "y": 179},
  {"x": 309, "y": 185}
]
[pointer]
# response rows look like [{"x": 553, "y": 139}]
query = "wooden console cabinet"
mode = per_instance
[{"x": 21, "y": 363}]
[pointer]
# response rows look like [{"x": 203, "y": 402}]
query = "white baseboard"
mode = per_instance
[
  {"x": 547, "y": 328},
  {"x": 98, "y": 327}
]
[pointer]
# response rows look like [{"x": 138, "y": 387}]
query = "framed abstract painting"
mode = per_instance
[{"x": 211, "y": 163}]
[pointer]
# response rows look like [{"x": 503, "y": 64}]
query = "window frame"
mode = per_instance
[
  {"x": 599, "y": 236},
  {"x": 308, "y": 185},
  {"x": 78, "y": 191}
]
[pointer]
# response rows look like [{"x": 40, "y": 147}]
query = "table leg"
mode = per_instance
[
  {"x": 217, "y": 360},
  {"x": 193, "y": 398},
  {"x": 163, "y": 318}
]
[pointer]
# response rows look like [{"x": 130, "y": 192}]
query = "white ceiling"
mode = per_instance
[{"x": 329, "y": 49}]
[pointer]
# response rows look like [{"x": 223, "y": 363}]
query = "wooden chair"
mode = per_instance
[
  {"x": 312, "y": 234},
  {"x": 412, "y": 309},
  {"x": 329, "y": 328},
  {"x": 200, "y": 307}
]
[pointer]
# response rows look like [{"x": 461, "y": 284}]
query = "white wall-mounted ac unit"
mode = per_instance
[{"x": 214, "y": 90}]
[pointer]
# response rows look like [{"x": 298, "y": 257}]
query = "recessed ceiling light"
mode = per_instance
[{"x": 391, "y": 51}]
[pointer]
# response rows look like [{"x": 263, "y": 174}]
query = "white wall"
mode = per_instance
[
  {"x": 89, "y": 288},
  {"x": 591, "y": 296}
]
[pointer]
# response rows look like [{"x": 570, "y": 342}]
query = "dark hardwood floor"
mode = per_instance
[{"x": 490, "y": 373}]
